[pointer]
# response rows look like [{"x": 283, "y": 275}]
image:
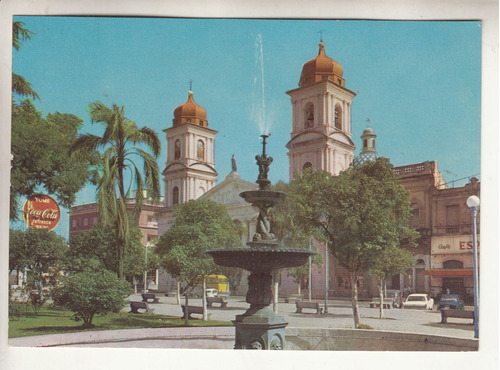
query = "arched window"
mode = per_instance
[
  {"x": 177, "y": 154},
  {"x": 175, "y": 196},
  {"x": 307, "y": 165},
  {"x": 453, "y": 264},
  {"x": 200, "y": 150},
  {"x": 338, "y": 117},
  {"x": 309, "y": 115}
]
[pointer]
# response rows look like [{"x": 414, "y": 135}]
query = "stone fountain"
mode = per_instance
[{"x": 259, "y": 327}]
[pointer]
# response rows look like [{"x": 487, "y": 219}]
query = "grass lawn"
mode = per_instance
[{"x": 58, "y": 321}]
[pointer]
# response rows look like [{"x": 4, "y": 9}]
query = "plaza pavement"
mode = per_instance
[{"x": 339, "y": 316}]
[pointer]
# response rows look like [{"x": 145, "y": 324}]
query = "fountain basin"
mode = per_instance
[
  {"x": 266, "y": 198},
  {"x": 263, "y": 258}
]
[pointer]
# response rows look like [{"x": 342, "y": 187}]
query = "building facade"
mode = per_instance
[
  {"x": 321, "y": 118},
  {"x": 190, "y": 166}
]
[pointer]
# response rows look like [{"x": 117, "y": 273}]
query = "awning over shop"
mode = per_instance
[{"x": 449, "y": 272}]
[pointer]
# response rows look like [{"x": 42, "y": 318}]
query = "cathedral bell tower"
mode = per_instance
[
  {"x": 321, "y": 118},
  {"x": 190, "y": 167}
]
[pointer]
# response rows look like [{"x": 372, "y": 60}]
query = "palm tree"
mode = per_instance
[{"x": 118, "y": 144}]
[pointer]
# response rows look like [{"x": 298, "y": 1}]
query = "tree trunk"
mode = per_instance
[
  {"x": 186, "y": 312},
  {"x": 204, "y": 299},
  {"x": 121, "y": 247},
  {"x": 275, "y": 294},
  {"x": 381, "y": 296},
  {"x": 178, "y": 292},
  {"x": 354, "y": 291}
]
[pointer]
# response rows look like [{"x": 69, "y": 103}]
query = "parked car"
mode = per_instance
[
  {"x": 450, "y": 301},
  {"x": 422, "y": 301},
  {"x": 396, "y": 297},
  {"x": 212, "y": 292}
]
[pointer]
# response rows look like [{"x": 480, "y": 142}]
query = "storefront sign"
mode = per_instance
[
  {"x": 41, "y": 212},
  {"x": 452, "y": 244}
]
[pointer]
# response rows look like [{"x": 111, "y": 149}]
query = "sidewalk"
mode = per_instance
[{"x": 339, "y": 316}]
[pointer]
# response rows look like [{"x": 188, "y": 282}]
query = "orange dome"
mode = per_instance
[
  {"x": 321, "y": 68},
  {"x": 190, "y": 112}
]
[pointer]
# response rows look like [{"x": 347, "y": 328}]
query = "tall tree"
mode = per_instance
[
  {"x": 40, "y": 156},
  {"x": 361, "y": 212},
  {"x": 120, "y": 145},
  {"x": 96, "y": 249},
  {"x": 199, "y": 225},
  {"x": 389, "y": 262}
]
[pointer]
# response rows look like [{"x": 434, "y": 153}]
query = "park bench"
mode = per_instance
[
  {"x": 192, "y": 309},
  {"x": 136, "y": 306},
  {"x": 294, "y": 298},
  {"x": 376, "y": 302},
  {"x": 212, "y": 300},
  {"x": 461, "y": 314},
  {"x": 312, "y": 305},
  {"x": 150, "y": 298}
]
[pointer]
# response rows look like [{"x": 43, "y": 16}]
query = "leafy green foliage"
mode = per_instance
[
  {"x": 119, "y": 145},
  {"x": 40, "y": 156},
  {"x": 199, "y": 225},
  {"x": 391, "y": 261},
  {"x": 97, "y": 249},
  {"x": 361, "y": 212},
  {"x": 89, "y": 293},
  {"x": 39, "y": 252},
  {"x": 294, "y": 234}
]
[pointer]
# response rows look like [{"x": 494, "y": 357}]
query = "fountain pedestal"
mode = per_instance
[{"x": 259, "y": 327}]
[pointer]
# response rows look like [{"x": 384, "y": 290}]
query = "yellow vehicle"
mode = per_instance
[
  {"x": 219, "y": 282},
  {"x": 216, "y": 285}
]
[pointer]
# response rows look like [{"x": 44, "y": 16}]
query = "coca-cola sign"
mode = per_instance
[{"x": 41, "y": 212}]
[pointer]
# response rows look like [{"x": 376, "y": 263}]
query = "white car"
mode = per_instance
[
  {"x": 212, "y": 292},
  {"x": 422, "y": 301}
]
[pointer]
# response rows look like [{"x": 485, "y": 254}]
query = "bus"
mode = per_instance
[{"x": 219, "y": 282}]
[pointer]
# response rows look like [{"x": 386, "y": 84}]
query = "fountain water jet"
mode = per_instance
[
  {"x": 259, "y": 327},
  {"x": 258, "y": 93}
]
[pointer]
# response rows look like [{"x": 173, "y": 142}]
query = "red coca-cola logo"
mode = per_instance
[{"x": 41, "y": 212}]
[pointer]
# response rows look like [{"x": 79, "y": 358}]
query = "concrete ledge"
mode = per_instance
[
  {"x": 223, "y": 337},
  {"x": 372, "y": 340},
  {"x": 214, "y": 334}
]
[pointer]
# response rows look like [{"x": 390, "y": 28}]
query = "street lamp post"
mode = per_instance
[
  {"x": 473, "y": 204},
  {"x": 327, "y": 273}
]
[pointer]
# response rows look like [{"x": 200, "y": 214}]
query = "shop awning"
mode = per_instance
[{"x": 449, "y": 272}]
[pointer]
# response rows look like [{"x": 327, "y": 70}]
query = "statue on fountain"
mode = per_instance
[{"x": 263, "y": 161}]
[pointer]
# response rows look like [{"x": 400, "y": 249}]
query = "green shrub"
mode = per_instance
[
  {"x": 91, "y": 292},
  {"x": 17, "y": 309}
]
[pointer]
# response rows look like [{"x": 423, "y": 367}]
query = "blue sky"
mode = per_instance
[{"x": 419, "y": 83}]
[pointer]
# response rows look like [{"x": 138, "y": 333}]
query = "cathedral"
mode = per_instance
[{"x": 320, "y": 137}]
